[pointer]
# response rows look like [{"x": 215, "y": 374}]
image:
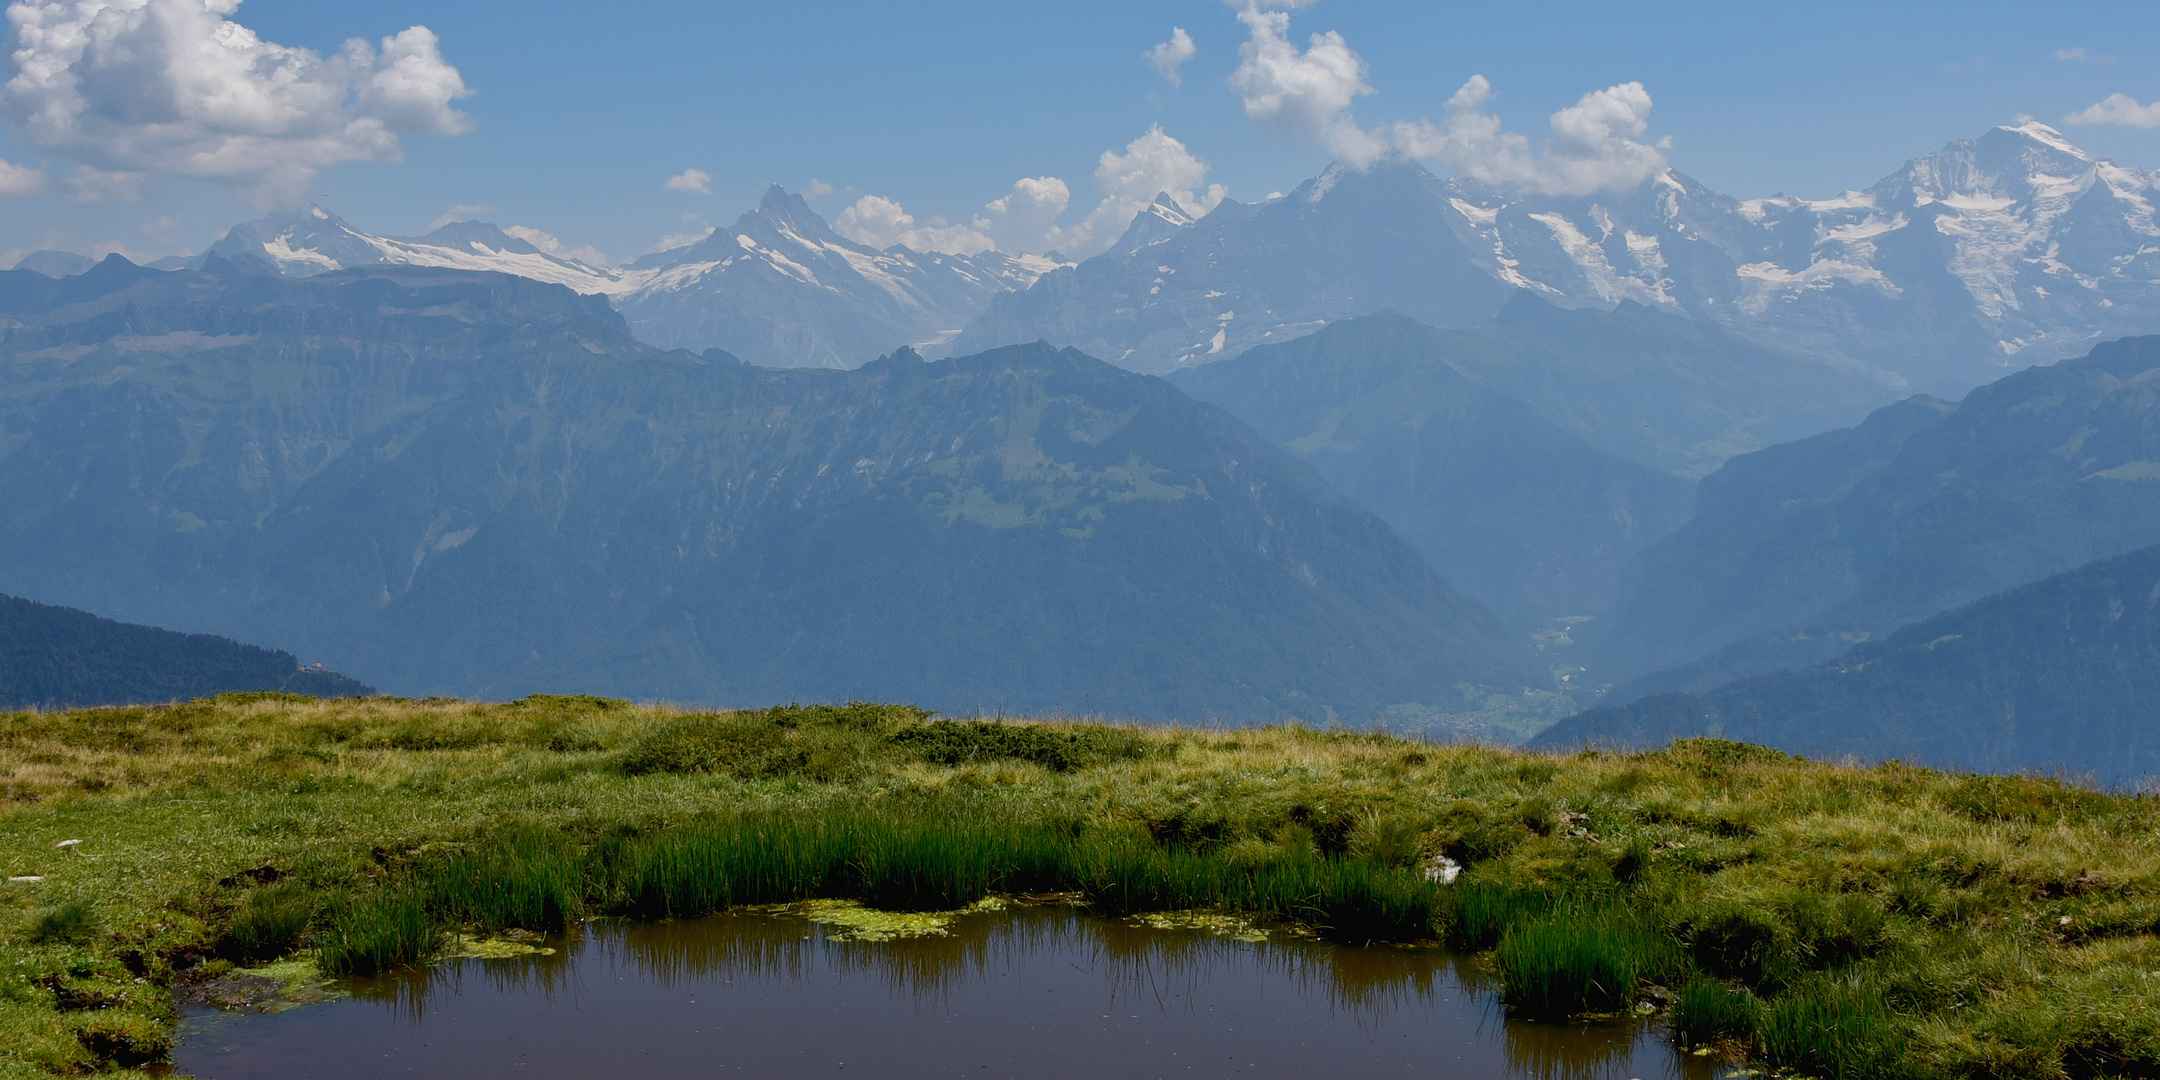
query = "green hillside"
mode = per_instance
[
  {"x": 466, "y": 483},
  {"x": 56, "y": 657},
  {"x": 2061, "y": 674}
]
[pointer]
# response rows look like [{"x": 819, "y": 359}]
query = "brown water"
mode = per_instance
[{"x": 1034, "y": 992}]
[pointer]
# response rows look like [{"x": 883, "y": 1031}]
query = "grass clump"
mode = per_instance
[
  {"x": 1706, "y": 1011},
  {"x": 269, "y": 923},
  {"x": 1059, "y": 749},
  {"x": 1573, "y": 961},
  {"x": 71, "y": 923},
  {"x": 1835, "y": 1027},
  {"x": 380, "y": 931}
]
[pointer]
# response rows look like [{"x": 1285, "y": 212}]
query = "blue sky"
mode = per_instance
[{"x": 580, "y": 112}]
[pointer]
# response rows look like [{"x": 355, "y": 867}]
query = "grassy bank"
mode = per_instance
[{"x": 1831, "y": 920}]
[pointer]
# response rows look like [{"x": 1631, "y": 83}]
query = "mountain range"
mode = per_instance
[
  {"x": 2061, "y": 674},
  {"x": 445, "y": 481},
  {"x": 779, "y": 288},
  {"x": 1983, "y": 257},
  {"x": 1801, "y": 550}
]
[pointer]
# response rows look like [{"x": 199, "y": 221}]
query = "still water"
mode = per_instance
[{"x": 1030, "y": 992}]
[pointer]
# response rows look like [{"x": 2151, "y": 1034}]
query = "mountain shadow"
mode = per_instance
[{"x": 2060, "y": 674}]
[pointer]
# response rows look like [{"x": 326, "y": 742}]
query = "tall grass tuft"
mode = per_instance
[
  {"x": 1480, "y": 912},
  {"x": 1576, "y": 960},
  {"x": 1706, "y": 1011},
  {"x": 269, "y": 923},
  {"x": 522, "y": 878},
  {"x": 1834, "y": 1027},
  {"x": 381, "y": 931}
]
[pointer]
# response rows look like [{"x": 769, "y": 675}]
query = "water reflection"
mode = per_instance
[{"x": 1038, "y": 991}]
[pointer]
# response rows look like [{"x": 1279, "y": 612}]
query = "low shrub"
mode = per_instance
[
  {"x": 1059, "y": 749},
  {"x": 752, "y": 745}
]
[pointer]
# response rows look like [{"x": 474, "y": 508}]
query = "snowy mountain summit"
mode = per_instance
[
  {"x": 1997, "y": 252},
  {"x": 778, "y": 288}
]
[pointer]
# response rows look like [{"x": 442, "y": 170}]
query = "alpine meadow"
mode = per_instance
[{"x": 1224, "y": 538}]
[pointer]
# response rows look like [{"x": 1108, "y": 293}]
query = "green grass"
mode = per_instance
[
  {"x": 380, "y": 930},
  {"x": 1823, "y": 919},
  {"x": 269, "y": 923},
  {"x": 1579, "y": 959}
]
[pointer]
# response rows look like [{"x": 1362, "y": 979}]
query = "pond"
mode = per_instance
[{"x": 1031, "y": 991}]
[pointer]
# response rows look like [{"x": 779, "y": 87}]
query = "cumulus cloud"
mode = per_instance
[
  {"x": 880, "y": 222},
  {"x": 584, "y": 253},
  {"x": 691, "y": 182},
  {"x": 1171, "y": 55},
  {"x": 20, "y": 179},
  {"x": 1595, "y": 146},
  {"x": 1310, "y": 93},
  {"x": 818, "y": 189},
  {"x": 1025, "y": 219},
  {"x": 1303, "y": 93},
  {"x": 2121, "y": 110},
  {"x": 173, "y": 87}
]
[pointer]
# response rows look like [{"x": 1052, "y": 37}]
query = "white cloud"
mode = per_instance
[
  {"x": 1596, "y": 143},
  {"x": 1171, "y": 55},
  {"x": 880, "y": 223},
  {"x": 1153, "y": 164},
  {"x": 172, "y": 87},
  {"x": 460, "y": 212},
  {"x": 584, "y": 253},
  {"x": 1303, "y": 94},
  {"x": 2118, "y": 109},
  {"x": 691, "y": 182},
  {"x": 20, "y": 179},
  {"x": 2082, "y": 55},
  {"x": 1025, "y": 219},
  {"x": 818, "y": 189}
]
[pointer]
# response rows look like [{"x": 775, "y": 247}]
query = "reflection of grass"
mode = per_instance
[{"x": 1856, "y": 920}]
